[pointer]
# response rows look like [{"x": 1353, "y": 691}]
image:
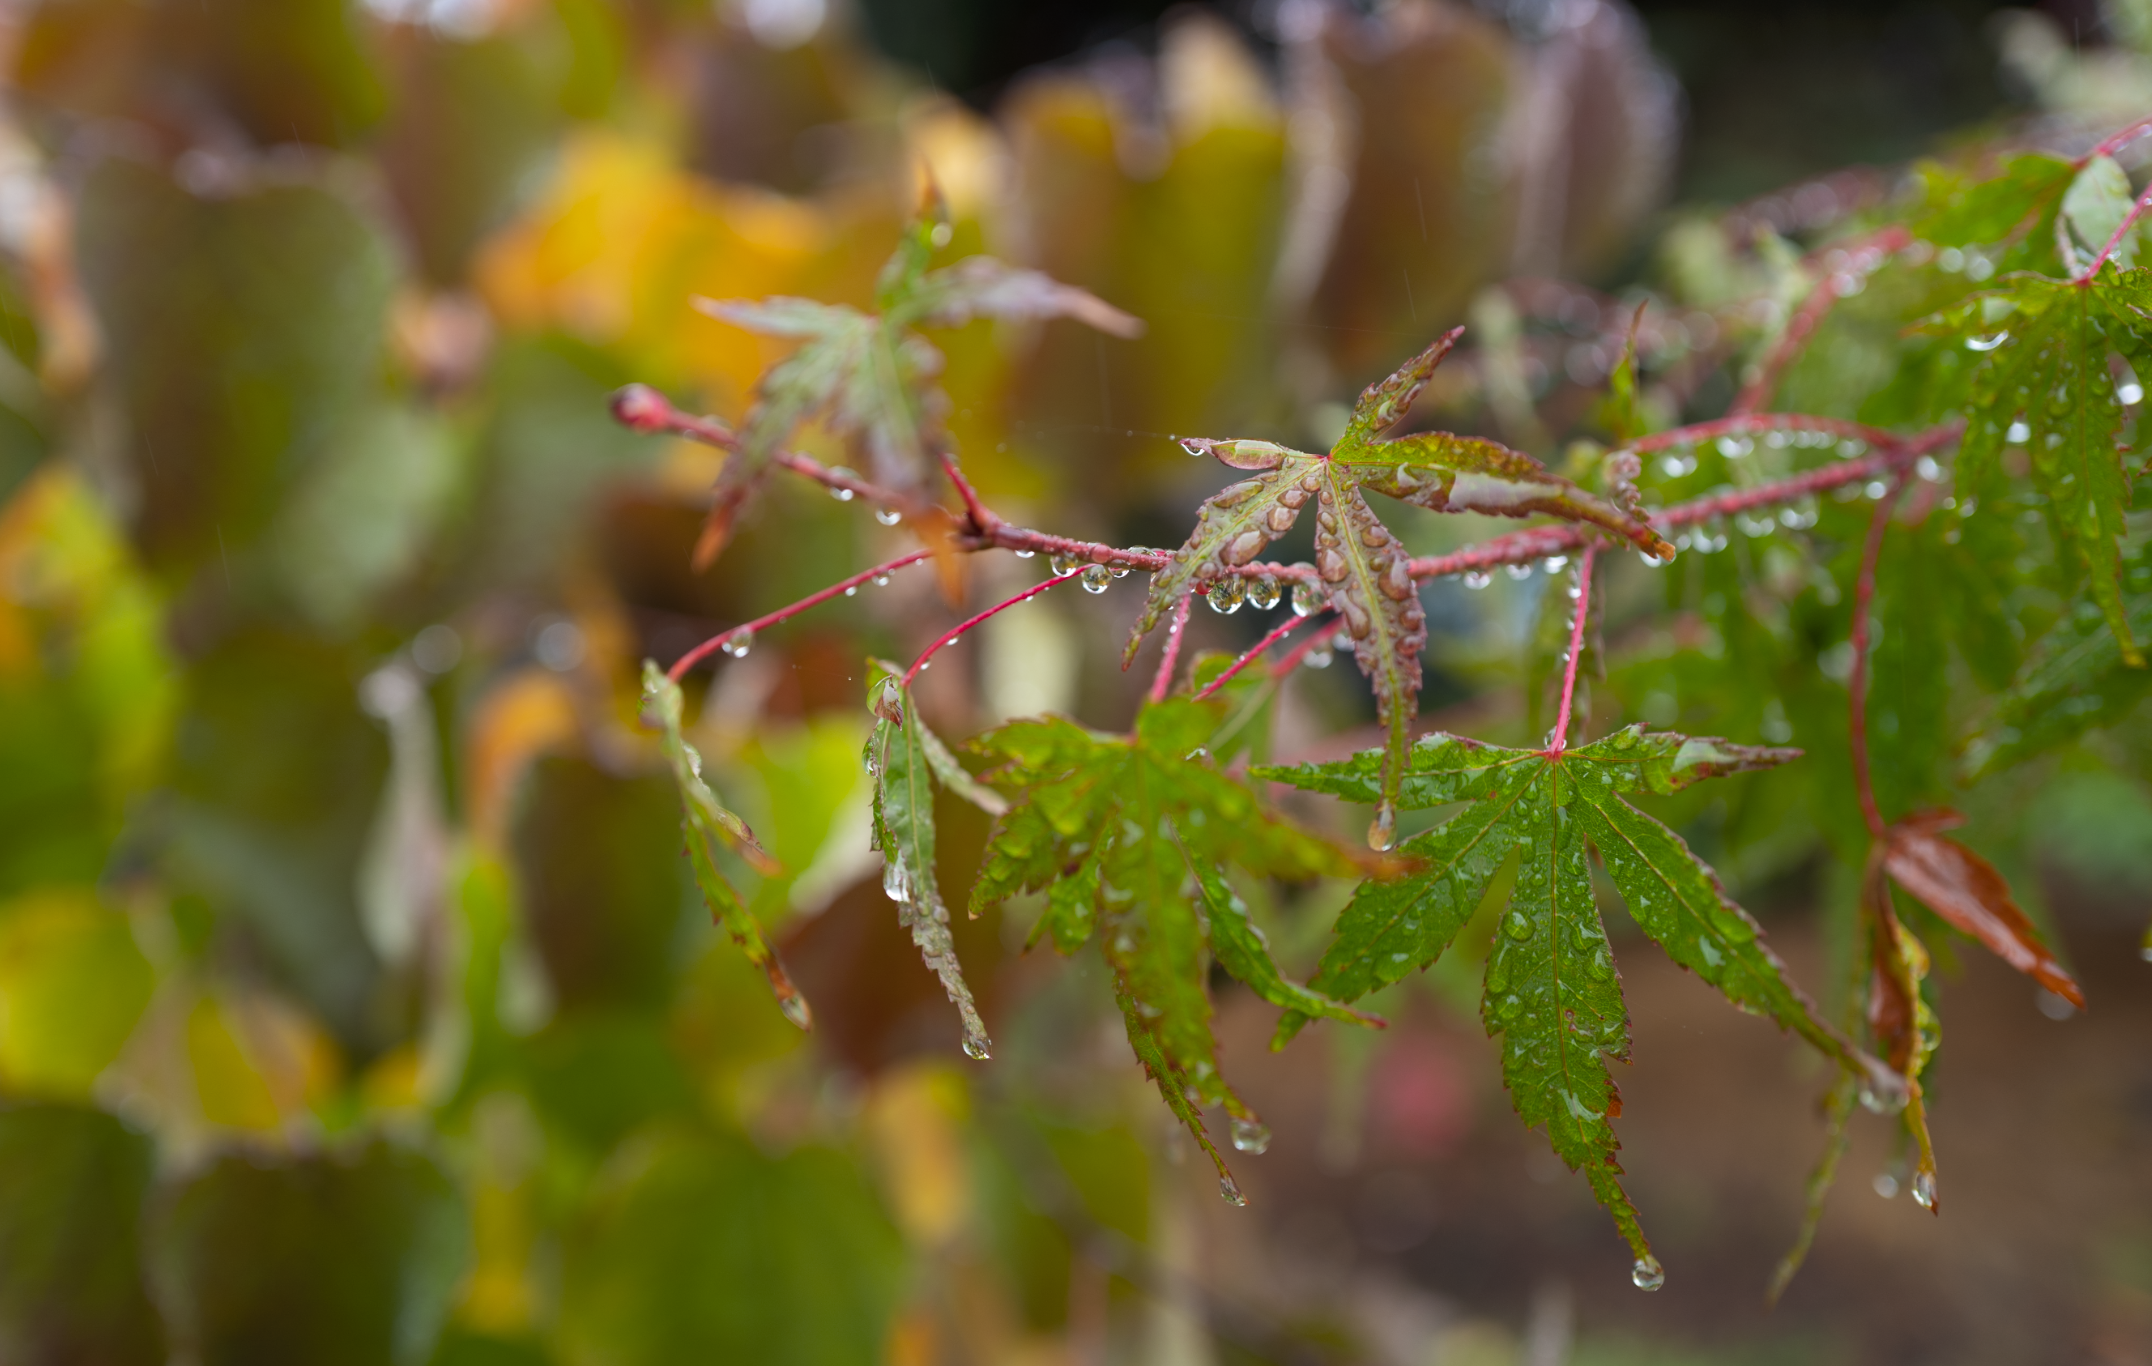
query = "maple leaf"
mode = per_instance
[
  {"x": 870, "y": 376},
  {"x": 907, "y": 761},
  {"x": 1125, "y": 834},
  {"x": 2043, "y": 378},
  {"x": 1970, "y": 895},
  {"x": 1363, "y": 570},
  {"x": 705, "y": 826},
  {"x": 1551, "y": 988}
]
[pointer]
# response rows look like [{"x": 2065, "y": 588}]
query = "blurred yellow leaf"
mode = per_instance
[
  {"x": 530, "y": 714},
  {"x": 917, "y": 1117},
  {"x": 72, "y": 985},
  {"x": 258, "y": 1063}
]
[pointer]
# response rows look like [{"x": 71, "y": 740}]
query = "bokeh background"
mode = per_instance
[{"x": 355, "y": 1005}]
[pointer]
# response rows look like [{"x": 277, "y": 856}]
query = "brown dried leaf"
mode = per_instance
[{"x": 1965, "y": 890}]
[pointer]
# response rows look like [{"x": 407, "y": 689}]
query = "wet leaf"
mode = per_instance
[
  {"x": 1966, "y": 891},
  {"x": 1551, "y": 989},
  {"x": 1124, "y": 834},
  {"x": 2042, "y": 374},
  {"x": 902, "y": 751},
  {"x": 708, "y": 827}
]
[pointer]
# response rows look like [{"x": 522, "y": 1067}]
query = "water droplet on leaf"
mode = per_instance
[
  {"x": 978, "y": 1047},
  {"x": 1517, "y": 926},
  {"x": 1251, "y": 1135},
  {"x": 1230, "y": 1191},
  {"x": 1924, "y": 1189},
  {"x": 1647, "y": 1273},
  {"x": 1307, "y": 599},
  {"x": 1382, "y": 831},
  {"x": 1225, "y": 595}
]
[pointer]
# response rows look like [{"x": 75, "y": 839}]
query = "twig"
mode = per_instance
[
  {"x": 1249, "y": 656},
  {"x": 959, "y": 629},
  {"x": 1861, "y": 258},
  {"x": 1576, "y": 651},
  {"x": 1303, "y": 649},
  {"x": 1864, "y": 591},
  {"x": 702, "y": 651},
  {"x": 1164, "y": 678},
  {"x": 982, "y": 517}
]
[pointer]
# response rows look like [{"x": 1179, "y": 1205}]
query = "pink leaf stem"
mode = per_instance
[
  {"x": 1576, "y": 651},
  {"x": 702, "y": 651},
  {"x": 959, "y": 629}
]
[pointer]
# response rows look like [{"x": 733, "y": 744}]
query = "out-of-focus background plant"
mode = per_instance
[{"x": 355, "y": 1002}]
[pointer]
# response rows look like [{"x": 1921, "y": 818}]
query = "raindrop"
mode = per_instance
[
  {"x": 1064, "y": 564},
  {"x": 738, "y": 643},
  {"x": 871, "y": 764},
  {"x": 2131, "y": 394},
  {"x": 1885, "y": 1185},
  {"x": 894, "y": 884},
  {"x": 1517, "y": 926},
  {"x": 1194, "y": 445},
  {"x": 1382, "y": 831},
  {"x": 842, "y": 495},
  {"x": 1647, "y": 1273},
  {"x": 1554, "y": 564},
  {"x": 1264, "y": 592},
  {"x": 888, "y": 516},
  {"x": 795, "y": 1009},
  {"x": 1198, "y": 755},
  {"x": 1025, "y": 554},
  {"x": 1799, "y": 516},
  {"x": 941, "y": 234},
  {"x": 1986, "y": 343},
  {"x": 881, "y": 581},
  {"x": 1876, "y": 489},
  {"x": 1477, "y": 579},
  {"x": 1752, "y": 525},
  {"x": 1225, "y": 595},
  {"x": 1230, "y": 1191},
  {"x": 852, "y": 591},
  {"x": 1341, "y": 639},
  {"x": 1519, "y": 572},
  {"x": 1097, "y": 579},
  {"x": 978, "y": 1047},
  {"x": 2018, "y": 434},
  {"x": 1924, "y": 1189},
  {"x": 1307, "y": 599},
  {"x": 1320, "y": 657},
  {"x": 1250, "y": 1135}
]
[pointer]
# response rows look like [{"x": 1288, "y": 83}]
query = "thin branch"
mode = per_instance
[
  {"x": 1864, "y": 591},
  {"x": 1576, "y": 651},
  {"x": 983, "y": 518},
  {"x": 1253, "y": 652},
  {"x": 1748, "y": 424},
  {"x": 643, "y": 409},
  {"x": 701, "y": 652},
  {"x": 1860, "y": 258},
  {"x": 1304, "y": 648},
  {"x": 958, "y": 630},
  {"x": 2129, "y": 220},
  {"x": 2115, "y": 142},
  {"x": 1179, "y": 627}
]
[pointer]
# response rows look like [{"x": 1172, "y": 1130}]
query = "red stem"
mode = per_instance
[
  {"x": 2115, "y": 142},
  {"x": 1576, "y": 651},
  {"x": 1248, "y": 656},
  {"x": 1861, "y": 258},
  {"x": 2129, "y": 220},
  {"x": 702, "y": 651},
  {"x": 982, "y": 517},
  {"x": 958, "y": 630},
  {"x": 1743, "y": 424},
  {"x": 1164, "y": 678},
  {"x": 1864, "y": 591},
  {"x": 1305, "y": 648}
]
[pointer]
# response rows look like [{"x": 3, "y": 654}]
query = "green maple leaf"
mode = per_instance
[
  {"x": 1551, "y": 989},
  {"x": 908, "y": 761},
  {"x": 1125, "y": 834},
  {"x": 706, "y": 826},
  {"x": 871, "y": 376},
  {"x": 2043, "y": 377},
  {"x": 1364, "y": 570}
]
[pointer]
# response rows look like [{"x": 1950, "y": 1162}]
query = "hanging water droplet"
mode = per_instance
[
  {"x": 1476, "y": 579},
  {"x": 1226, "y": 594},
  {"x": 1554, "y": 564},
  {"x": 1119, "y": 571},
  {"x": 2130, "y": 394},
  {"x": 1800, "y": 516},
  {"x": 852, "y": 591},
  {"x": 1647, "y": 1273},
  {"x": 1097, "y": 579},
  {"x": 2018, "y": 434},
  {"x": 1025, "y": 554},
  {"x": 978, "y": 1047},
  {"x": 738, "y": 643},
  {"x": 1519, "y": 572},
  {"x": 888, "y": 516},
  {"x": 1064, "y": 564},
  {"x": 881, "y": 581},
  {"x": 1885, "y": 1185},
  {"x": 1195, "y": 446},
  {"x": 1230, "y": 1191},
  {"x": 1382, "y": 831},
  {"x": 1924, "y": 1189},
  {"x": 1264, "y": 592},
  {"x": 1307, "y": 599},
  {"x": 1986, "y": 343},
  {"x": 842, "y": 495},
  {"x": 895, "y": 885},
  {"x": 1251, "y": 1135},
  {"x": 1198, "y": 755},
  {"x": 871, "y": 764},
  {"x": 1320, "y": 657},
  {"x": 1341, "y": 639},
  {"x": 889, "y": 702},
  {"x": 795, "y": 1008}
]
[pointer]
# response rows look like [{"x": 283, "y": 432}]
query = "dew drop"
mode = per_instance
[
  {"x": 1519, "y": 572},
  {"x": 1647, "y": 1273},
  {"x": 795, "y": 1008},
  {"x": 1264, "y": 592},
  {"x": 881, "y": 581},
  {"x": 1307, "y": 599},
  {"x": 738, "y": 643},
  {"x": 2018, "y": 434},
  {"x": 978, "y": 1047},
  {"x": 1195, "y": 446},
  {"x": 1025, "y": 554},
  {"x": 1476, "y": 579},
  {"x": 852, "y": 592},
  {"x": 871, "y": 764},
  {"x": 941, "y": 234},
  {"x": 1885, "y": 1185},
  {"x": 1097, "y": 579},
  {"x": 1064, "y": 564},
  {"x": 1382, "y": 831},
  {"x": 894, "y": 883},
  {"x": 1320, "y": 657},
  {"x": 1517, "y": 926},
  {"x": 1225, "y": 595},
  {"x": 842, "y": 495},
  {"x": 1251, "y": 1135},
  {"x": 888, "y": 516},
  {"x": 1924, "y": 1189},
  {"x": 1230, "y": 1191}
]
